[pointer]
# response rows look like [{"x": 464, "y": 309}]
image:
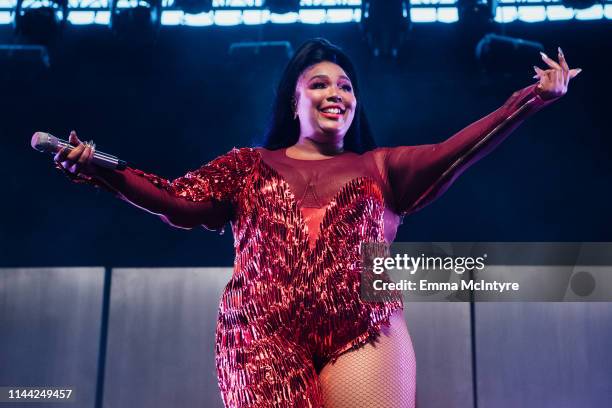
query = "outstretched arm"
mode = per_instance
[
  {"x": 419, "y": 174},
  {"x": 161, "y": 197},
  {"x": 201, "y": 197}
]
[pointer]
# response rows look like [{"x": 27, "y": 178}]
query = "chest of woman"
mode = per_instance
[{"x": 316, "y": 202}]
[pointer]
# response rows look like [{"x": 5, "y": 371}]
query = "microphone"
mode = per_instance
[{"x": 47, "y": 143}]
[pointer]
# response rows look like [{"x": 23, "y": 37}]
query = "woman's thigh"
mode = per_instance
[
  {"x": 273, "y": 372},
  {"x": 379, "y": 375}
]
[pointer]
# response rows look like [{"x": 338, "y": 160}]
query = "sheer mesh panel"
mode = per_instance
[{"x": 380, "y": 375}]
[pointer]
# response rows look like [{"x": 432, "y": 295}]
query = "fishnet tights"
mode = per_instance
[{"x": 382, "y": 375}]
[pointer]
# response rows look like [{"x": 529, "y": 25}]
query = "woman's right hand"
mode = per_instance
[{"x": 78, "y": 160}]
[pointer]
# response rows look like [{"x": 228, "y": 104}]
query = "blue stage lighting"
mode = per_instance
[
  {"x": 40, "y": 22},
  {"x": 579, "y": 4},
  {"x": 283, "y": 6},
  {"x": 194, "y": 6},
  {"x": 476, "y": 11},
  {"x": 385, "y": 25},
  {"x": 139, "y": 23}
]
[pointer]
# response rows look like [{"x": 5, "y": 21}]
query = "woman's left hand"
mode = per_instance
[{"x": 553, "y": 82}]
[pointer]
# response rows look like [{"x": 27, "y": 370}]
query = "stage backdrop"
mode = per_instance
[{"x": 144, "y": 338}]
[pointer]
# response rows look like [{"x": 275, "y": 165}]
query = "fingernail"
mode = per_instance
[
  {"x": 560, "y": 51},
  {"x": 535, "y": 68},
  {"x": 578, "y": 70},
  {"x": 535, "y": 76},
  {"x": 543, "y": 55}
]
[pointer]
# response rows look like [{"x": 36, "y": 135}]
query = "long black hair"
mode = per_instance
[{"x": 283, "y": 130}]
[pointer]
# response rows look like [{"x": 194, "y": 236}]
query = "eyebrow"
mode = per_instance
[{"x": 327, "y": 77}]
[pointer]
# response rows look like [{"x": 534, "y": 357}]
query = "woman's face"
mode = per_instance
[{"x": 325, "y": 102}]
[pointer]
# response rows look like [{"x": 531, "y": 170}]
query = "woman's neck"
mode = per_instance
[{"x": 307, "y": 147}]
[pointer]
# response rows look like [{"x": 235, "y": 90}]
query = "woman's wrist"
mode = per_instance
[
  {"x": 543, "y": 95},
  {"x": 76, "y": 177},
  {"x": 94, "y": 175}
]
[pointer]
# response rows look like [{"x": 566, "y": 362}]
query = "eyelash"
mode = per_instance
[{"x": 347, "y": 88}]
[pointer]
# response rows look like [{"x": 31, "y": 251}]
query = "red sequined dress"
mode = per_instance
[{"x": 293, "y": 301}]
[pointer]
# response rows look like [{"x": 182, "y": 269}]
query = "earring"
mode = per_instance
[{"x": 294, "y": 108}]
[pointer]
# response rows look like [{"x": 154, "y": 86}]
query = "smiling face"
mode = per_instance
[{"x": 325, "y": 103}]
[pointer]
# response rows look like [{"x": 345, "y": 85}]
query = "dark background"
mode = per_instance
[{"x": 173, "y": 107}]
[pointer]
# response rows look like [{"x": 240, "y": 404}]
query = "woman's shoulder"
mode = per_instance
[
  {"x": 241, "y": 154},
  {"x": 237, "y": 159},
  {"x": 378, "y": 154},
  {"x": 378, "y": 151}
]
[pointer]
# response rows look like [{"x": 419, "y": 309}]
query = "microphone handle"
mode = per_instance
[{"x": 99, "y": 158}]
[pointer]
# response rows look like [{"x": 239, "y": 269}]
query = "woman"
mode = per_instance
[{"x": 292, "y": 330}]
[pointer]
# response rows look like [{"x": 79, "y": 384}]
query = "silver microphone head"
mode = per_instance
[{"x": 44, "y": 142}]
